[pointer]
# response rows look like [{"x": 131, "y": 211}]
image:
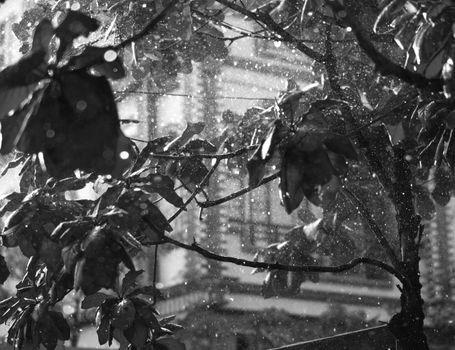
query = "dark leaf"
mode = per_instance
[
  {"x": 42, "y": 36},
  {"x": 341, "y": 145},
  {"x": 94, "y": 300},
  {"x": 130, "y": 280},
  {"x": 291, "y": 179},
  {"x": 148, "y": 291},
  {"x": 190, "y": 130},
  {"x": 164, "y": 186},
  {"x": 14, "y": 201},
  {"x": 153, "y": 146},
  {"x": 4, "y": 271},
  {"x": 137, "y": 334},
  {"x": 169, "y": 344},
  {"x": 256, "y": 168},
  {"x": 102, "y": 60},
  {"x": 14, "y": 124},
  {"x": 74, "y": 25},
  {"x": 103, "y": 330},
  {"x": 69, "y": 231},
  {"x": 60, "y": 325}
]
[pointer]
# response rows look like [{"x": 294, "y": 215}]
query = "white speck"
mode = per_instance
[{"x": 110, "y": 56}]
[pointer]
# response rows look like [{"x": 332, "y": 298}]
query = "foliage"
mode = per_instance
[{"x": 59, "y": 117}]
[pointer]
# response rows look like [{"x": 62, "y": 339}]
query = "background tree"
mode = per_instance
[{"x": 380, "y": 114}]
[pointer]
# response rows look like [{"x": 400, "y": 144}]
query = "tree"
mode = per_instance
[{"x": 380, "y": 114}]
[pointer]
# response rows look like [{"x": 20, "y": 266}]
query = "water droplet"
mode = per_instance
[{"x": 110, "y": 56}]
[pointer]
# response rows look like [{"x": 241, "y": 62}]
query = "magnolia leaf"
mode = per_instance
[
  {"x": 137, "y": 334},
  {"x": 191, "y": 172},
  {"x": 60, "y": 325},
  {"x": 94, "y": 300},
  {"x": 102, "y": 60},
  {"x": 42, "y": 36},
  {"x": 291, "y": 178},
  {"x": 4, "y": 271},
  {"x": 130, "y": 280},
  {"x": 154, "y": 146},
  {"x": 74, "y": 25},
  {"x": 69, "y": 231},
  {"x": 164, "y": 186},
  {"x": 271, "y": 141},
  {"x": 14, "y": 200},
  {"x": 256, "y": 169},
  {"x": 190, "y": 130},
  {"x": 341, "y": 145},
  {"x": 103, "y": 330},
  {"x": 146, "y": 290}
]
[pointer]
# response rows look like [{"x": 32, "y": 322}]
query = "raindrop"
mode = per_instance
[
  {"x": 110, "y": 56},
  {"x": 124, "y": 155},
  {"x": 75, "y": 6}
]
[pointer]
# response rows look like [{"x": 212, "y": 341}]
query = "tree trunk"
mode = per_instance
[{"x": 407, "y": 325}]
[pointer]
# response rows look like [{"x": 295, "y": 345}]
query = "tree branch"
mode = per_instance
[
  {"x": 282, "y": 267},
  {"x": 205, "y": 155},
  {"x": 222, "y": 200},
  {"x": 357, "y": 203},
  {"x": 384, "y": 65},
  {"x": 274, "y": 27},
  {"x": 149, "y": 27}
]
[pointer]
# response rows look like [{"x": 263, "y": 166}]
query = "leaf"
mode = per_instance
[
  {"x": 4, "y": 272},
  {"x": 14, "y": 200},
  {"x": 69, "y": 231},
  {"x": 103, "y": 330},
  {"x": 42, "y": 36},
  {"x": 190, "y": 130},
  {"x": 164, "y": 186},
  {"x": 129, "y": 280},
  {"x": 341, "y": 145},
  {"x": 387, "y": 14},
  {"x": 169, "y": 344},
  {"x": 70, "y": 184},
  {"x": 191, "y": 172},
  {"x": 256, "y": 169},
  {"x": 291, "y": 178},
  {"x": 60, "y": 325},
  {"x": 102, "y": 60},
  {"x": 74, "y": 25},
  {"x": 94, "y": 300},
  {"x": 146, "y": 290},
  {"x": 137, "y": 334}
]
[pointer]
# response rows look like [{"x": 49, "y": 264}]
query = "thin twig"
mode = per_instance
[
  {"x": 222, "y": 200},
  {"x": 275, "y": 28},
  {"x": 363, "y": 210},
  {"x": 282, "y": 267},
  {"x": 205, "y": 155}
]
